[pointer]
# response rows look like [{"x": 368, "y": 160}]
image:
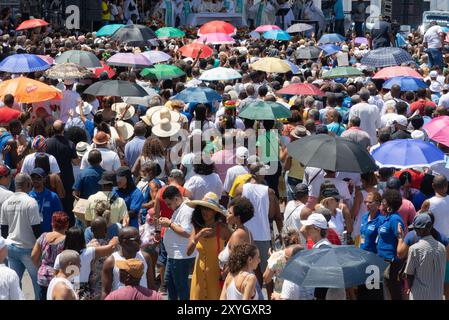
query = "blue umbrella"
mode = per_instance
[
  {"x": 406, "y": 83},
  {"x": 21, "y": 63},
  {"x": 198, "y": 95},
  {"x": 386, "y": 57},
  {"x": 407, "y": 153},
  {"x": 294, "y": 67},
  {"x": 279, "y": 35},
  {"x": 108, "y": 30},
  {"x": 445, "y": 29},
  {"x": 330, "y": 48},
  {"x": 331, "y": 38},
  {"x": 335, "y": 267}
]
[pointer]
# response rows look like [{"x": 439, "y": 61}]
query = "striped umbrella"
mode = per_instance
[{"x": 387, "y": 57}]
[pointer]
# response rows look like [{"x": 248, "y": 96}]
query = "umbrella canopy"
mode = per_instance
[
  {"x": 406, "y": 83},
  {"x": 129, "y": 59},
  {"x": 220, "y": 74},
  {"x": 162, "y": 72},
  {"x": 330, "y": 48},
  {"x": 335, "y": 267},
  {"x": 279, "y": 35},
  {"x": 134, "y": 34},
  {"x": 193, "y": 49},
  {"x": 254, "y": 35},
  {"x": 23, "y": 63},
  {"x": 198, "y": 95},
  {"x": 386, "y": 57},
  {"x": 32, "y": 23},
  {"x": 215, "y": 38},
  {"x": 68, "y": 71},
  {"x": 307, "y": 53},
  {"x": 265, "y": 110},
  {"x": 108, "y": 69},
  {"x": 408, "y": 153},
  {"x": 438, "y": 130},
  {"x": 332, "y": 153},
  {"x": 294, "y": 67},
  {"x": 342, "y": 72},
  {"x": 47, "y": 59},
  {"x": 169, "y": 32},
  {"x": 300, "y": 27},
  {"x": 27, "y": 90},
  {"x": 217, "y": 26},
  {"x": 331, "y": 38},
  {"x": 269, "y": 64},
  {"x": 266, "y": 27},
  {"x": 108, "y": 30},
  {"x": 83, "y": 58},
  {"x": 301, "y": 89},
  {"x": 392, "y": 72},
  {"x": 156, "y": 56},
  {"x": 360, "y": 40},
  {"x": 116, "y": 88}
]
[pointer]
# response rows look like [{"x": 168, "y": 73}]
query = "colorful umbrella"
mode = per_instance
[
  {"x": 68, "y": 71},
  {"x": 294, "y": 67},
  {"x": 198, "y": 95},
  {"x": 438, "y": 130},
  {"x": 31, "y": 24},
  {"x": 23, "y": 63},
  {"x": 273, "y": 65},
  {"x": 392, "y": 72},
  {"x": 406, "y": 83},
  {"x": 279, "y": 35},
  {"x": 217, "y": 26},
  {"x": 407, "y": 153},
  {"x": 116, "y": 88},
  {"x": 169, "y": 32},
  {"x": 129, "y": 59},
  {"x": 266, "y": 27},
  {"x": 220, "y": 74},
  {"x": 47, "y": 59},
  {"x": 300, "y": 27},
  {"x": 387, "y": 57},
  {"x": 254, "y": 35},
  {"x": 329, "y": 49},
  {"x": 105, "y": 67},
  {"x": 215, "y": 38},
  {"x": 265, "y": 110},
  {"x": 194, "y": 49},
  {"x": 342, "y": 72},
  {"x": 331, "y": 38},
  {"x": 83, "y": 58},
  {"x": 162, "y": 72},
  {"x": 156, "y": 56},
  {"x": 301, "y": 89},
  {"x": 135, "y": 35},
  {"x": 108, "y": 30},
  {"x": 27, "y": 90},
  {"x": 360, "y": 40}
]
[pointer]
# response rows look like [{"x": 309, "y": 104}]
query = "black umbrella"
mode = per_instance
[
  {"x": 83, "y": 58},
  {"x": 117, "y": 88},
  {"x": 308, "y": 53},
  {"x": 331, "y": 153},
  {"x": 135, "y": 34}
]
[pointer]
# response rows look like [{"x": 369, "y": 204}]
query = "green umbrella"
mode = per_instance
[
  {"x": 162, "y": 72},
  {"x": 261, "y": 110},
  {"x": 169, "y": 32},
  {"x": 343, "y": 72}
]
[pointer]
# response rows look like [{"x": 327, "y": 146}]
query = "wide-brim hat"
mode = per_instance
[
  {"x": 165, "y": 112},
  {"x": 124, "y": 129},
  {"x": 166, "y": 128},
  {"x": 120, "y": 108},
  {"x": 299, "y": 132},
  {"x": 81, "y": 148},
  {"x": 101, "y": 138},
  {"x": 87, "y": 109},
  {"x": 211, "y": 201},
  {"x": 147, "y": 117}
]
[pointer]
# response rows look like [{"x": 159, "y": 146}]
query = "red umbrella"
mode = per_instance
[
  {"x": 108, "y": 69},
  {"x": 33, "y": 23},
  {"x": 301, "y": 89},
  {"x": 192, "y": 50},
  {"x": 217, "y": 26},
  {"x": 392, "y": 72}
]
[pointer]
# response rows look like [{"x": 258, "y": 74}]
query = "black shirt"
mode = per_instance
[
  {"x": 64, "y": 151},
  {"x": 401, "y": 134},
  {"x": 381, "y": 34}
]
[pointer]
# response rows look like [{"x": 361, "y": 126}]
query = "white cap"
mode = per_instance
[
  {"x": 242, "y": 153},
  {"x": 402, "y": 120},
  {"x": 433, "y": 74},
  {"x": 418, "y": 134},
  {"x": 317, "y": 220}
]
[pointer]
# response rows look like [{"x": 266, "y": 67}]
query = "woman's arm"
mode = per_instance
[{"x": 36, "y": 254}]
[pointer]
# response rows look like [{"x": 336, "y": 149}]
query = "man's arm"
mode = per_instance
[
  {"x": 36, "y": 230},
  {"x": 150, "y": 272},
  {"x": 106, "y": 277},
  {"x": 275, "y": 211}
]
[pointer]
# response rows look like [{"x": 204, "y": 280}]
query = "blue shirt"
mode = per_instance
[
  {"x": 387, "y": 240},
  {"x": 48, "y": 202},
  {"x": 133, "y": 149},
  {"x": 411, "y": 238},
  {"x": 338, "y": 10},
  {"x": 336, "y": 127},
  {"x": 369, "y": 231},
  {"x": 113, "y": 230},
  {"x": 133, "y": 200},
  {"x": 87, "y": 181}
]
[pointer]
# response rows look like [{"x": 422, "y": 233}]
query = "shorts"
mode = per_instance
[
  {"x": 162, "y": 257},
  {"x": 446, "y": 275},
  {"x": 263, "y": 247}
]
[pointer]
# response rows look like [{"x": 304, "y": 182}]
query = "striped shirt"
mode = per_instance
[{"x": 426, "y": 262}]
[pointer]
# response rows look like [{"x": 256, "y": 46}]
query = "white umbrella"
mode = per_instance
[
  {"x": 220, "y": 73},
  {"x": 156, "y": 56}
]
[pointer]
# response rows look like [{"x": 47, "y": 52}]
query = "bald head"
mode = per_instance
[
  {"x": 440, "y": 184},
  {"x": 58, "y": 127},
  {"x": 68, "y": 258},
  {"x": 395, "y": 91}
]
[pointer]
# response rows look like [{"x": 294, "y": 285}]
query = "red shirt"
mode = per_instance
[
  {"x": 421, "y": 106},
  {"x": 7, "y": 114},
  {"x": 133, "y": 293},
  {"x": 417, "y": 177},
  {"x": 332, "y": 236},
  {"x": 165, "y": 211}
]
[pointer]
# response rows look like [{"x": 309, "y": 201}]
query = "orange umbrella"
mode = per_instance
[
  {"x": 192, "y": 50},
  {"x": 27, "y": 90},
  {"x": 33, "y": 23}
]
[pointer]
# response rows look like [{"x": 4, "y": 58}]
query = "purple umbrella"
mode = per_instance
[
  {"x": 156, "y": 56},
  {"x": 136, "y": 60},
  {"x": 360, "y": 40}
]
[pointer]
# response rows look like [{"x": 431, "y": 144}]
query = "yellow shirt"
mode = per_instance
[
  {"x": 118, "y": 208},
  {"x": 105, "y": 7},
  {"x": 239, "y": 181}
]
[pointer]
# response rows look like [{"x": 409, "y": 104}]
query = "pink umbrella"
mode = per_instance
[
  {"x": 393, "y": 72},
  {"x": 129, "y": 59},
  {"x": 266, "y": 27},
  {"x": 360, "y": 40},
  {"x": 47, "y": 59},
  {"x": 438, "y": 130},
  {"x": 215, "y": 38}
]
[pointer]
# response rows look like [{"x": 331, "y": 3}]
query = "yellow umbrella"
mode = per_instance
[{"x": 272, "y": 65}]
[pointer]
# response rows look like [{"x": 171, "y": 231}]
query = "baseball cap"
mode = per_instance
[
  {"x": 331, "y": 193},
  {"x": 39, "y": 171},
  {"x": 107, "y": 177},
  {"x": 317, "y": 220},
  {"x": 301, "y": 188},
  {"x": 422, "y": 221},
  {"x": 134, "y": 267},
  {"x": 394, "y": 183}
]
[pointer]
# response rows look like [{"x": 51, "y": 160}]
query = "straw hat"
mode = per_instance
[
  {"x": 165, "y": 127},
  {"x": 120, "y": 108},
  {"x": 81, "y": 148},
  {"x": 211, "y": 201},
  {"x": 165, "y": 112},
  {"x": 124, "y": 129},
  {"x": 101, "y": 138},
  {"x": 147, "y": 117}
]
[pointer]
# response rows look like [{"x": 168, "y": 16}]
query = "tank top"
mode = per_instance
[
  {"x": 116, "y": 272},
  {"x": 54, "y": 282},
  {"x": 438, "y": 206},
  {"x": 259, "y": 225},
  {"x": 232, "y": 293}
]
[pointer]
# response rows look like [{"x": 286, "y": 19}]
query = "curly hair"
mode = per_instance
[
  {"x": 153, "y": 147},
  {"x": 59, "y": 220},
  {"x": 393, "y": 199},
  {"x": 239, "y": 257},
  {"x": 243, "y": 208}
]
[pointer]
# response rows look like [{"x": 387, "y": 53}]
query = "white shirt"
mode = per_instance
[
  {"x": 9, "y": 284},
  {"x": 439, "y": 207},
  {"x": 28, "y": 163},
  {"x": 86, "y": 257},
  {"x": 110, "y": 160},
  {"x": 337, "y": 223},
  {"x": 433, "y": 38},
  {"x": 200, "y": 184},
  {"x": 4, "y": 194},
  {"x": 175, "y": 244},
  {"x": 387, "y": 118},
  {"x": 259, "y": 224},
  {"x": 369, "y": 118},
  {"x": 291, "y": 291},
  {"x": 444, "y": 101},
  {"x": 69, "y": 101},
  {"x": 313, "y": 177},
  {"x": 233, "y": 173},
  {"x": 292, "y": 215}
]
